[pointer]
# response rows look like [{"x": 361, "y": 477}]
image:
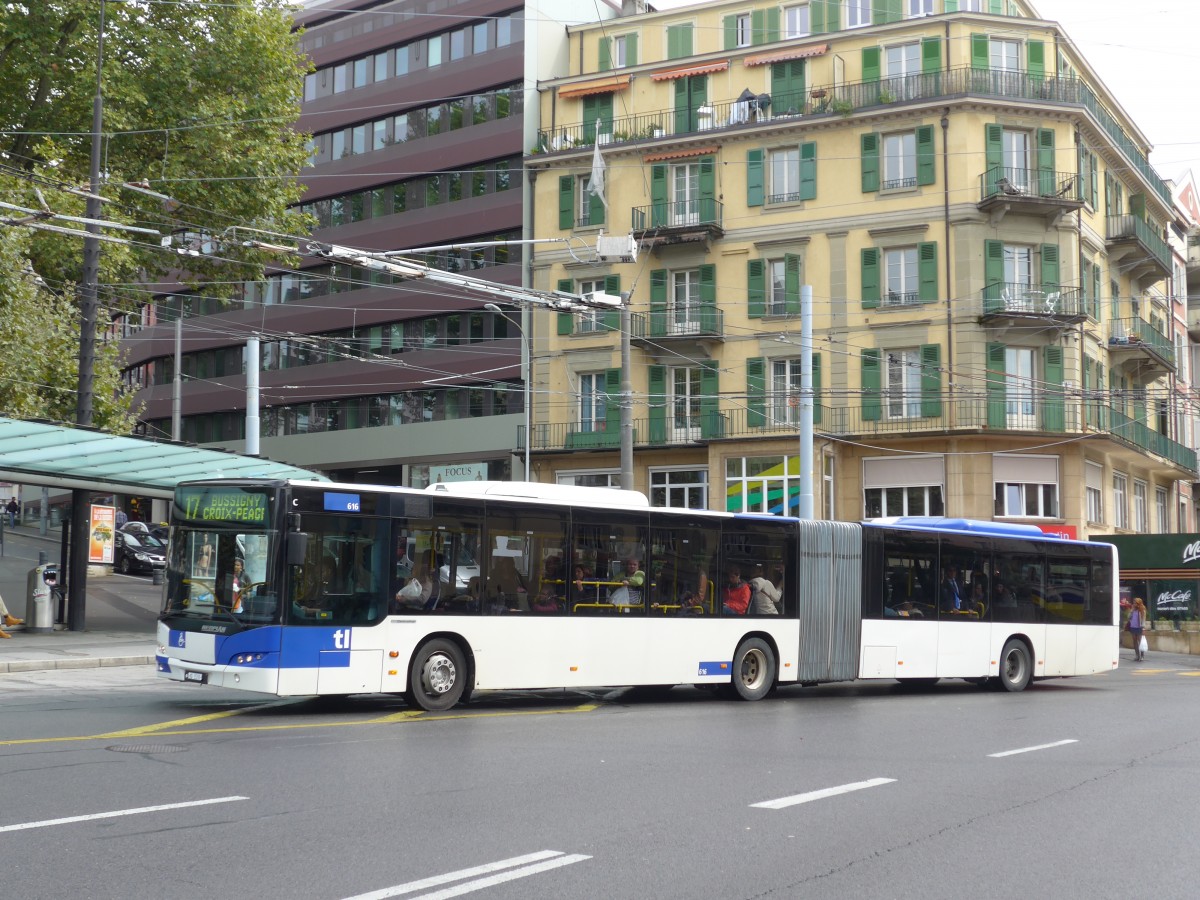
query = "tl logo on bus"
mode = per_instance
[{"x": 341, "y": 639}]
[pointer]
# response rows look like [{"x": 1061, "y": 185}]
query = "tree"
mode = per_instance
[{"x": 200, "y": 101}]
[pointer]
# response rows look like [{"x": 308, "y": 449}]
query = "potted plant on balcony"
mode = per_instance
[
  {"x": 886, "y": 96},
  {"x": 842, "y": 107}
]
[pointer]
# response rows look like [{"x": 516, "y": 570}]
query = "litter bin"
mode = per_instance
[{"x": 39, "y": 599}]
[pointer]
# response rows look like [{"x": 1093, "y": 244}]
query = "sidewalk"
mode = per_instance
[{"x": 119, "y": 616}]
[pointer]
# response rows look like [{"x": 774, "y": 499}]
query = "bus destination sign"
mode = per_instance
[{"x": 215, "y": 504}]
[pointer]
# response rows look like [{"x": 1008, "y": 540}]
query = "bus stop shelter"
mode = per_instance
[{"x": 42, "y": 454}]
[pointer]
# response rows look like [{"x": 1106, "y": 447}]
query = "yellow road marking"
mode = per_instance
[
  {"x": 414, "y": 716},
  {"x": 1150, "y": 671},
  {"x": 194, "y": 720}
]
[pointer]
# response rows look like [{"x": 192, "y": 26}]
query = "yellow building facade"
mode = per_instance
[{"x": 976, "y": 218}]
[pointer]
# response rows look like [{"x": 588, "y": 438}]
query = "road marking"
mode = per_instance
[
  {"x": 518, "y": 866},
  {"x": 178, "y": 723},
  {"x": 796, "y": 799},
  {"x": 119, "y": 812},
  {"x": 1038, "y": 747}
]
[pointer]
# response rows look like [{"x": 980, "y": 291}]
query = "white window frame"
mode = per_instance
[
  {"x": 684, "y": 302},
  {"x": 1013, "y": 500},
  {"x": 1004, "y": 55},
  {"x": 1161, "y": 514},
  {"x": 910, "y": 500},
  {"x": 620, "y": 52},
  {"x": 899, "y": 161},
  {"x": 744, "y": 30},
  {"x": 776, "y": 287},
  {"x": 902, "y": 384},
  {"x": 583, "y": 203},
  {"x": 901, "y": 268},
  {"x": 1094, "y": 495},
  {"x": 785, "y": 390},
  {"x": 785, "y": 175},
  {"x": 691, "y": 494},
  {"x": 858, "y": 13},
  {"x": 592, "y": 321},
  {"x": 903, "y": 59},
  {"x": 914, "y": 9},
  {"x": 762, "y": 475},
  {"x": 590, "y": 478},
  {"x": 1020, "y": 377},
  {"x": 1120, "y": 489},
  {"x": 593, "y": 402},
  {"x": 683, "y": 408},
  {"x": 1141, "y": 511},
  {"x": 829, "y": 483},
  {"x": 797, "y": 21}
]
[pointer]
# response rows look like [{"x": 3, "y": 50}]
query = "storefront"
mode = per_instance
[{"x": 1162, "y": 569}]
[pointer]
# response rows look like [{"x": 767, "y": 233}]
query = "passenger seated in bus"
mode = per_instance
[
  {"x": 765, "y": 598},
  {"x": 582, "y": 589},
  {"x": 1002, "y": 596},
  {"x": 419, "y": 588},
  {"x": 735, "y": 596},
  {"x": 629, "y": 592},
  {"x": 546, "y": 601},
  {"x": 505, "y": 587}
]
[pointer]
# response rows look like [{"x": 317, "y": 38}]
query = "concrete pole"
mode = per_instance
[
  {"x": 252, "y": 368},
  {"x": 626, "y": 399},
  {"x": 177, "y": 381}
]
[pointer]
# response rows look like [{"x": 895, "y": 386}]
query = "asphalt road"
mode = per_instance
[{"x": 116, "y": 785}]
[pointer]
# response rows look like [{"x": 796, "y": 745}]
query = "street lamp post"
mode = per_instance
[{"x": 526, "y": 377}]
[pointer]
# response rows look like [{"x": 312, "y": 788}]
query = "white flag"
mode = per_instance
[{"x": 596, "y": 184}]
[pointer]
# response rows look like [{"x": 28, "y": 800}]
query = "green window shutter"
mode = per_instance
[
  {"x": 612, "y": 317},
  {"x": 631, "y": 48},
  {"x": 566, "y": 202},
  {"x": 756, "y": 390},
  {"x": 870, "y": 64},
  {"x": 712, "y": 425},
  {"x": 927, "y": 274},
  {"x": 816, "y": 15},
  {"x": 833, "y": 15},
  {"x": 605, "y": 55},
  {"x": 787, "y": 86},
  {"x": 926, "y": 170},
  {"x": 981, "y": 52},
  {"x": 996, "y": 7},
  {"x": 808, "y": 171},
  {"x": 1052, "y": 404},
  {"x": 708, "y": 283},
  {"x": 756, "y": 288},
  {"x": 1096, "y": 282},
  {"x": 951, "y": 6},
  {"x": 773, "y": 30},
  {"x": 658, "y": 195},
  {"x": 658, "y": 404},
  {"x": 683, "y": 107},
  {"x": 1047, "y": 186},
  {"x": 708, "y": 189},
  {"x": 997, "y": 415},
  {"x": 674, "y": 41},
  {"x": 1035, "y": 58},
  {"x": 791, "y": 284},
  {"x": 885, "y": 11},
  {"x": 869, "y": 147},
  {"x": 596, "y": 210},
  {"x": 1049, "y": 271},
  {"x": 755, "y": 189},
  {"x": 1108, "y": 193},
  {"x": 730, "y": 29},
  {"x": 1094, "y": 181},
  {"x": 658, "y": 302},
  {"x": 870, "y": 277},
  {"x": 566, "y": 321},
  {"x": 993, "y": 150},
  {"x": 931, "y": 55},
  {"x": 871, "y": 376},
  {"x": 816, "y": 387},
  {"x": 931, "y": 380},
  {"x": 612, "y": 403},
  {"x": 1137, "y": 205},
  {"x": 758, "y": 27},
  {"x": 993, "y": 276}
]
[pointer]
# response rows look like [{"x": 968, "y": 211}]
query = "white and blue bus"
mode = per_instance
[{"x": 304, "y": 588}]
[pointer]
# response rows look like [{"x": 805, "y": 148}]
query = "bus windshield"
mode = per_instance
[{"x": 222, "y": 573}]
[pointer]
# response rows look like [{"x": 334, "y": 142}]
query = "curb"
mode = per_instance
[{"x": 48, "y": 665}]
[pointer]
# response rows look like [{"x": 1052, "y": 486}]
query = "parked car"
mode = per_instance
[
  {"x": 138, "y": 553},
  {"x": 139, "y": 528}
]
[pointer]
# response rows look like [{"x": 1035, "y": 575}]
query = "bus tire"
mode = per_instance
[
  {"x": 1016, "y": 668},
  {"x": 753, "y": 669},
  {"x": 437, "y": 677}
]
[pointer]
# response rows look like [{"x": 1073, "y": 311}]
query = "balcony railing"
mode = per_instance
[
  {"x": 704, "y": 212},
  {"x": 697, "y": 320},
  {"x": 1055, "y": 301},
  {"x": 1139, "y": 334},
  {"x": 1124, "y": 228},
  {"x": 1034, "y": 184},
  {"x": 844, "y": 99},
  {"x": 898, "y": 417}
]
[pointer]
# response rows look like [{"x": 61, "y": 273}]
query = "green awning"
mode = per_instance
[{"x": 44, "y": 455}]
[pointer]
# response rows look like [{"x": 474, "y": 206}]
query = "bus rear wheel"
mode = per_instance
[
  {"x": 437, "y": 678},
  {"x": 753, "y": 669},
  {"x": 1016, "y": 669}
]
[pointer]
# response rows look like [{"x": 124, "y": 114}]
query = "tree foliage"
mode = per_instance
[{"x": 200, "y": 103}]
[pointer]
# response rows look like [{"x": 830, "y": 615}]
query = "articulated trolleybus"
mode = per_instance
[{"x": 305, "y": 588}]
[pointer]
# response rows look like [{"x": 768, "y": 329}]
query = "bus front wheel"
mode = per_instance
[
  {"x": 438, "y": 675},
  {"x": 1016, "y": 668},
  {"x": 753, "y": 669}
]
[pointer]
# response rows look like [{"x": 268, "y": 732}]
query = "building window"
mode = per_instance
[
  {"x": 796, "y": 22},
  {"x": 681, "y": 488},
  {"x": 759, "y": 484},
  {"x": 593, "y": 402},
  {"x": 744, "y": 36},
  {"x": 1141, "y": 511},
  {"x": 620, "y": 51},
  {"x": 1019, "y": 384},
  {"x": 829, "y": 484},
  {"x": 858, "y": 13},
  {"x": 785, "y": 175},
  {"x": 1163, "y": 521},
  {"x": 601, "y": 478},
  {"x": 1005, "y": 55},
  {"x": 593, "y": 320},
  {"x": 899, "y": 161},
  {"x": 902, "y": 59},
  {"x": 1027, "y": 499},
  {"x": 915, "y": 8},
  {"x": 902, "y": 277},
  {"x": 683, "y": 317},
  {"x": 1120, "y": 511},
  {"x": 684, "y": 402},
  {"x": 785, "y": 391},
  {"x": 777, "y": 287},
  {"x": 902, "y": 395},
  {"x": 916, "y": 500}
]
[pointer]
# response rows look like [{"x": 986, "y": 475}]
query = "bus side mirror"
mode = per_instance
[{"x": 297, "y": 548}]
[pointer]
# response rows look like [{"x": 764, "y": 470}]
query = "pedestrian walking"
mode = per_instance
[
  {"x": 12, "y": 509},
  {"x": 1135, "y": 626}
]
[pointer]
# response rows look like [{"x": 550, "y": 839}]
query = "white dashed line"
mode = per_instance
[
  {"x": 796, "y": 799},
  {"x": 120, "y": 812},
  {"x": 530, "y": 864},
  {"x": 1031, "y": 749}
]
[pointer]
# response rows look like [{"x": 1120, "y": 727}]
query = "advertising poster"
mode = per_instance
[{"x": 103, "y": 524}]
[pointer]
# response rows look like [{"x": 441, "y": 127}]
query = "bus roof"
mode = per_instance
[
  {"x": 554, "y": 493},
  {"x": 972, "y": 526}
]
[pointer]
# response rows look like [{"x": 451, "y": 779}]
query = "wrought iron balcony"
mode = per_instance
[
  {"x": 1140, "y": 346},
  {"x": 698, "y": 320},
  {"x": 1137, "y": 248},
  {"x": 1014, "y": 301},
  {"x": 1004, "y": 189},
  {"x": 844, "y": 99},
  {"x": 677, "y": 220}
]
